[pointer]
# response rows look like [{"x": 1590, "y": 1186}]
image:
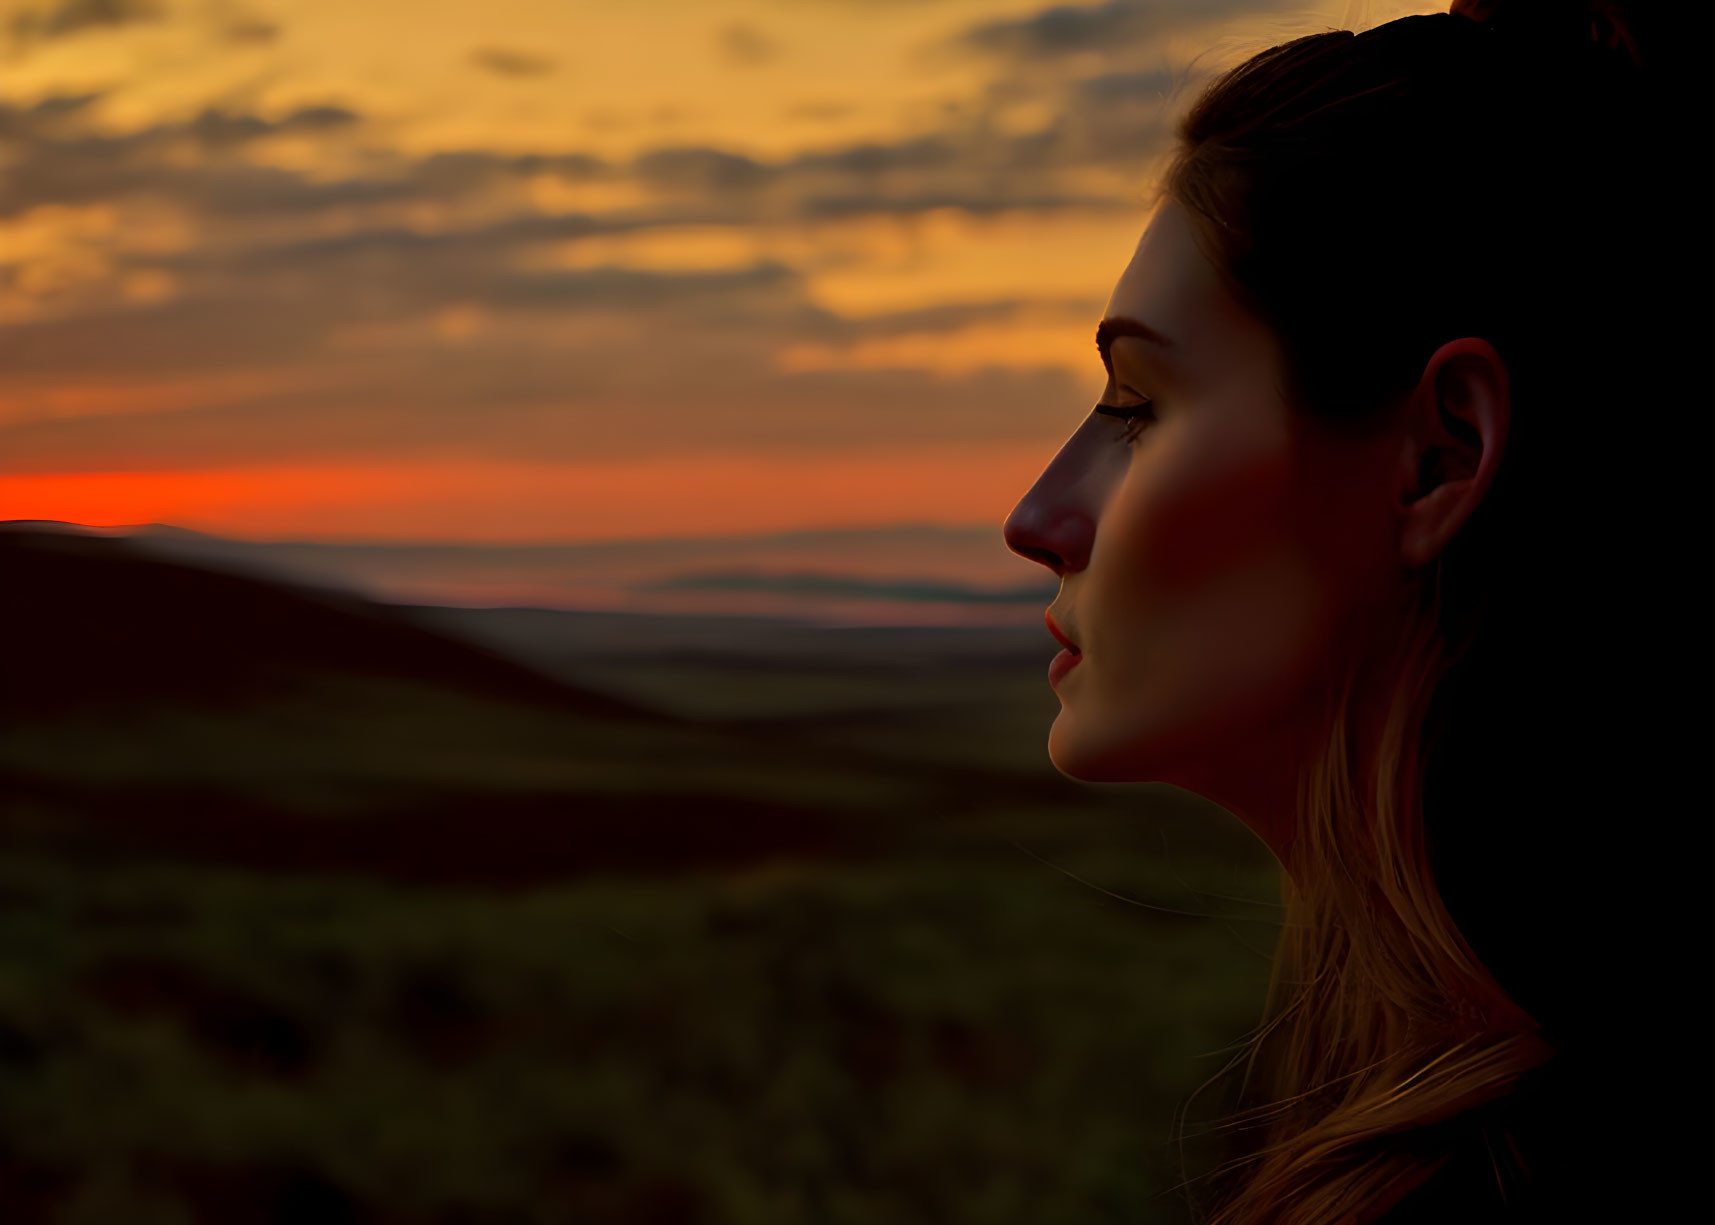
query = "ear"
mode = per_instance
[{"x": 1455, "y": 434}]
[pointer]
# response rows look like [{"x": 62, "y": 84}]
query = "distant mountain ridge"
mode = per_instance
[{"x": 909, "y": 574}]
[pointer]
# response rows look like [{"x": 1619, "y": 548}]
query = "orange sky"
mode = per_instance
[
  {"x": 474, "y": 500},
  {"x": 551, "y": 270}
]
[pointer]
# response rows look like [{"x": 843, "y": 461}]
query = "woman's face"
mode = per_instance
[{"x": 1210, "y": 569}]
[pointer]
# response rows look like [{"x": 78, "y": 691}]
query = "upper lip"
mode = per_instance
[{"x": 1048, "y": 617}]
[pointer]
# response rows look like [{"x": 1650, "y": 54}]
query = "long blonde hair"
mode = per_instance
[{"x": 1380, "y": 1018}]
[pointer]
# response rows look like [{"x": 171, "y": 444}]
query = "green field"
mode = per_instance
[{"x": 849, "y": 950}]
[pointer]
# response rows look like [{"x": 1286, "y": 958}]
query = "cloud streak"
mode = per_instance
[
  {"x": 1074, "y": 29},
  {"x": 509, "y": 62},
  {"x": 69, "y": 17}
]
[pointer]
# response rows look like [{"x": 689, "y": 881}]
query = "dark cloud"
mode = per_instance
[
  {"x": 214, "y": 127},
  {"x": 1118, "y": 119},
  {"x": 1153, "y": 85},
  {"x": 741, "y": 43},
  {"x": 436, "y": 264},
  {"x": 1069, "y": 29},
  {"x": 869, "y": 158},
  {"x": 942, "y": 317},
  {"x": 250, "y": 30},
  {"x": 975, "y": 169},
  {"x": 566, "y": 165},
  {"x": 247, "y": 190},
  {"x": 254, "y": 312},
  {"x": 614, "y": 288},
  {"x": 69, "y": 17},
  {"x": 700, "y": 168},
  {"x": 860, "y": 204},
  {"x": 52, "y": 161},
  {"x": 48, "y": 165},
  {"x": 23, "y": 123},
  {"x": 319, "y": 118},
  {"x": 85, "y": 173},
  {"x": 506, "y": 62}
]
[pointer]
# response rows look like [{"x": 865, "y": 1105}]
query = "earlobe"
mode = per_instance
[{"x": 1432, "y": 520}]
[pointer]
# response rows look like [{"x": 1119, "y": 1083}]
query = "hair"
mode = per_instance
[{"x": 1370, "y": 196}]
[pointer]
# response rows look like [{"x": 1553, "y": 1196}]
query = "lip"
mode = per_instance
[{"x": 1048, "y": 619}]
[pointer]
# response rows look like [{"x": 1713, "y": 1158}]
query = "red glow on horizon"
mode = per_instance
[{"x": 488, "y": 500}]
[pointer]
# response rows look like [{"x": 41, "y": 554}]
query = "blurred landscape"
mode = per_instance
[
  {"x": 911, "y": 574},
  {"x": 323, "y": 908}
]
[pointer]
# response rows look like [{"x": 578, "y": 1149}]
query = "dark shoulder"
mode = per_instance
[
  {"x": 1589, "y": 1136},
  {"x": 1480, "y": 1184},
  {"x": 1513, "y": 1161}
]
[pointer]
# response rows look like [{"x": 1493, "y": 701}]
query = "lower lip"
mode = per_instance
[{"x": 1062, "y": 664}]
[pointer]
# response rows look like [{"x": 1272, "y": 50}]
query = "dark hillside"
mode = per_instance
[{"x": 92, "y": 622}]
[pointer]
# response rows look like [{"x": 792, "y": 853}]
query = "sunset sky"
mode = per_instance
[{"x": 553, "y": 270}]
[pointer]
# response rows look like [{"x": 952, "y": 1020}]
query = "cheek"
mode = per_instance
[
  {"x": 1205, "y": 617},
  {"x": 1188, "y": 523}
]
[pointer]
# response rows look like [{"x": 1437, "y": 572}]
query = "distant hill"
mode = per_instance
[{"x": 92, "y": 621}]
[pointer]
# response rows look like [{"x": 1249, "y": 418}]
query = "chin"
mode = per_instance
[
  {"x": 1145, "y": 751},
  {"x": 1087, "y": 763}
]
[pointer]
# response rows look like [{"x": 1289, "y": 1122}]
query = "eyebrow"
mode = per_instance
[{"x": 1110, "y": 330}]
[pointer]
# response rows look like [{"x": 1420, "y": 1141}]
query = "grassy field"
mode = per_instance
[{"x": 847, "y": 949}]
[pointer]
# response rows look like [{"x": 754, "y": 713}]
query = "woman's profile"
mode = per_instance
[{"x": 1369, "y": 540}]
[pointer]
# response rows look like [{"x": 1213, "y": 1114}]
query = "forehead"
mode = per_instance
[{"x": 1171, "y": 286}]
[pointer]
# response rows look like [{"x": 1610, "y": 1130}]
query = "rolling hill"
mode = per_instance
[{"x": 98, "y": 622}]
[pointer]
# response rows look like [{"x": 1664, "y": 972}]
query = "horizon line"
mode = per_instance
[{"x": 814, "y": 531}]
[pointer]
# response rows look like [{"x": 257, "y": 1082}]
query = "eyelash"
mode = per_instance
[{"x": 1130, "y": 413}]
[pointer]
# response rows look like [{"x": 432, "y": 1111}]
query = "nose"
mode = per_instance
[{"x": 1058, "y": 537}]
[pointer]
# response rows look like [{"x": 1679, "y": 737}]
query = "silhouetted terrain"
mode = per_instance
[{"x": 96, "y": 622}]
